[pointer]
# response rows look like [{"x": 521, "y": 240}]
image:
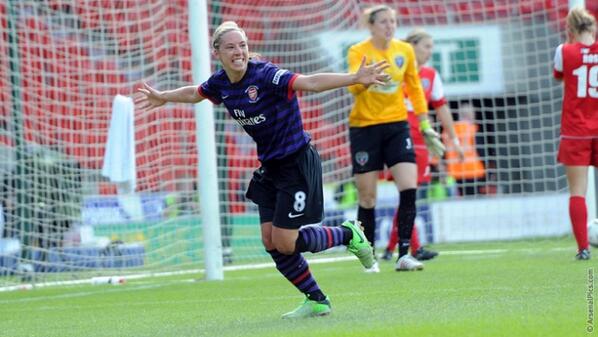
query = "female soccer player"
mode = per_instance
[
  {"x": 379, "y": 131},
  {"x": 576, "y": 64},
  {"x": 423, "y": 44},
  {"x": 288, "y": 186}
]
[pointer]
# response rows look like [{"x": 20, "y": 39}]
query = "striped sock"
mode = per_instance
[
  {"x": 318, "y": 238},
  {"x": 296, "y": 270}
]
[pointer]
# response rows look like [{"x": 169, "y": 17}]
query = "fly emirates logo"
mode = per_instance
[{"x": 240, "y": 117}]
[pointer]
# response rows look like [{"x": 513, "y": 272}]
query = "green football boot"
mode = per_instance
[
  {"x": 309, "y": 309},
  {"x": 359, "y": 245}
]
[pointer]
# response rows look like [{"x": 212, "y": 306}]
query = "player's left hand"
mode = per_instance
[
  {"x": 431, "y": 138},
  {"x": 372, "y": 74}
]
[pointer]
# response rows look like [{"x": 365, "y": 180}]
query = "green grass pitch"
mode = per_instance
[{"x": 531, "y": 288}]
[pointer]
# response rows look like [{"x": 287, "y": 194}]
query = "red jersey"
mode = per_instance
[
  {"x": 577, "y": 65},
  {"x": 434, "y": 92}
]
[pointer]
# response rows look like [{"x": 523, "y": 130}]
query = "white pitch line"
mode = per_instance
[{"x": 29, "y": 286}]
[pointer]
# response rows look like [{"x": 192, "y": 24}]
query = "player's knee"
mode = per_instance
[
  {"x": 367, "y": 201},
  {"x": 267, "y": 242},
  {"x": 286, "y": 248}
]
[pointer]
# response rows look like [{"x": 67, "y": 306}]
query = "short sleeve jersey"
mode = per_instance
[
  {"x": 434, "y": 92},
  {"x": 264, "y": 104},
  {"x": 577, "y": 65}
]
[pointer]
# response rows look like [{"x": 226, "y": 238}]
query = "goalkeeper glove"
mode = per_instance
[{"x": 432, "y": 138}]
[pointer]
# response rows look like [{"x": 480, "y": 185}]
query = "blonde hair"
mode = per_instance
[
  {"x": 369, "y": 14},
  {"x": 416, "y": 35},
  {"x": 256, "y": 56},
  {"x": 225, "y": 27},
  {"x": 579, "y": 20}
]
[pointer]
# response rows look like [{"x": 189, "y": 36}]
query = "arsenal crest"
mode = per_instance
[
  {"x": 362, "y": 157},
  {"x": 252, "y": 92}
]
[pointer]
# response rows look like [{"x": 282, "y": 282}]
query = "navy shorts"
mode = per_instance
[
  {"x": 288, "y": 191},
  {"x": 376, "y": 145}
]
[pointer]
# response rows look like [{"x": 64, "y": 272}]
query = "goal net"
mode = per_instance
[{"x": 66, "y": 61}]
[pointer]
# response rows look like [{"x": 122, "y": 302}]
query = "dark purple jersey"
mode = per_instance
[{"x": 265, "y": 105}]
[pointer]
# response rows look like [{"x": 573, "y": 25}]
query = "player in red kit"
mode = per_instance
[
  {"x": 576, "y": 64},
  {"x": 423, "y": 44}
]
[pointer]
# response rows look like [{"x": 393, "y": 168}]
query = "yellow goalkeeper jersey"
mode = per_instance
[{"x": 381, "y": 104}]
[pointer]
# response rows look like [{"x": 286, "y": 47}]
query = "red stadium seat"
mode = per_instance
[
  {"x": 3, "y": 22},
  {"x": 497, "y": 9},
  {"x": 88, "y": 12},
  {"x": 106, "y": 188},
  {"x": 253, "y": 28},
  {"x": 528, "y": 7},
  {"x": 470, "y": 11}
]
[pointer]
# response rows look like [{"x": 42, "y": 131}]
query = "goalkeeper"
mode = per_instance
[{"x": 379, "y": 131}]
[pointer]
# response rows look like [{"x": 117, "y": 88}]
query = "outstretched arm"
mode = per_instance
[
  {"x": 151, "y": 98},
  {"x": 366, "y": 75}
]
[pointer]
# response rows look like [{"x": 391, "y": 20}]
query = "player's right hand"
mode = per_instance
[{"x": 149, "y": 97}]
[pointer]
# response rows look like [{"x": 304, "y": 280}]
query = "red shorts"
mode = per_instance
[
  {"x": 422, "y": 159},
  {"x": 578, "y": 152}
]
